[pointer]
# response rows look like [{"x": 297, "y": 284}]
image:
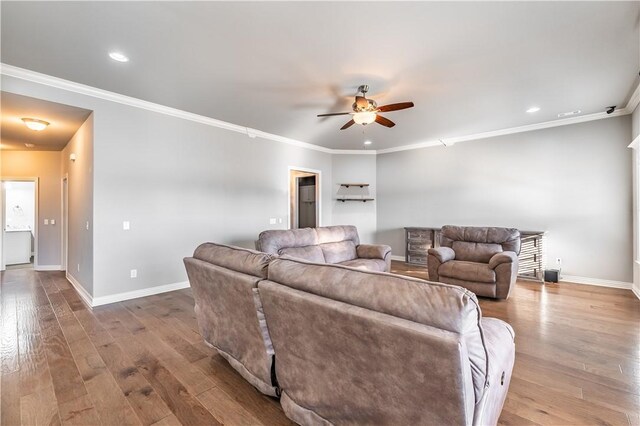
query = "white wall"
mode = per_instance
[
  {"x": 355, "y": 169},
  {"x": 79, "y": 175},
  {"x": 20, "y": 205},
  {"x": 572, "y": 181},
  {"x": 45, "y": 165}
]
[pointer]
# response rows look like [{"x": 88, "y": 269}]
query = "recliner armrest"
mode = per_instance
[
  {"x": 373, "y": 251},
  {"x": 504, "y": 257},
  {"x": 443, "y": 254}
]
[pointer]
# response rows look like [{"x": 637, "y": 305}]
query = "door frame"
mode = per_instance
[
  {"x": 64, "y": 225},
  {"x": 318, "y": 174},
  {"x": 36, "y": 181}
]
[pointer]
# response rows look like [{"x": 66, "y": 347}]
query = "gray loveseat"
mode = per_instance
[
  {"x": 481, "y": 259},
  {"x": 352, "y": 346},
  {"x": 328, "y": 244}
]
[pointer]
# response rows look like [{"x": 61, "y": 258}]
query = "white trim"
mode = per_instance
[
  {"x": 635, "y": 291},
  {"x": 318, "y": 191},
  {"x": 47, "y": 267},
  {"x": 509, "y": 131},
  {"x": 399, "y": 258},
  {"x": 150, "y": 291},
  {"x": 595, "y": 281},
  {"x": 635, "y": 143},
  {"x": 634, "y": 100},
  {"x": 47, "y": 80},
  {"x": 84, "y": 294}
]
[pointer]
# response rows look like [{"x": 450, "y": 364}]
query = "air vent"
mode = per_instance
[{"x": 569, "y": 114}]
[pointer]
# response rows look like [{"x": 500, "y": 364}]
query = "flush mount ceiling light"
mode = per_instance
[
  {"x": 35, "y": 124},
  {"x": 117, "y": 56},
  {"x": 569, "y": 114},
  {"x": 533, "y": 109},
  {"x": 29, "y": 145},
  {"x": 368, "y": 142}
]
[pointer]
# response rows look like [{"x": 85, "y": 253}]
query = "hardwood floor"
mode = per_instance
[{"x": 143, "y": 362}]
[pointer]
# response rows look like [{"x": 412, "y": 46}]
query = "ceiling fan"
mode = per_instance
[{"x": 366, "y": 111}]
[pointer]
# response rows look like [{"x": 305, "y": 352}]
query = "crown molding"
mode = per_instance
[
  {"x": 634, "y": 100},
  {"x": 47, "y": 80}
]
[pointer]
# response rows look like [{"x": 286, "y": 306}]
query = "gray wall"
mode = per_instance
[
  {"x": 80, "y": 204},
  {"x": 355, "y": 169},
  {"x": 45, "y": 165},
  {"x": 179, "y": 183},
  {"x": 572, "y": 181}
]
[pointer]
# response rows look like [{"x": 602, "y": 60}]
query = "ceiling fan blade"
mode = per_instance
[
  {"x": 333, "y": 113},
  {"x": 349, "y": 124},
  {"x": 395, "y": 107},
  {"x": 384, "y": 121}
]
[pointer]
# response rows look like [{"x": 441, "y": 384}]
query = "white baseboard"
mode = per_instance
[
  {"x": 636, "y": 291},
  {"x": 400, "y": 258},
  {"x": 595, "y": 281},
  {"x": 150, "y": 291},
  {"x": 47, "y": 267},
  {"x": 84, "y": 294}
]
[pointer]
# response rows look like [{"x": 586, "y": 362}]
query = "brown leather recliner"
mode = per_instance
[{"x": 481, "y": 259}]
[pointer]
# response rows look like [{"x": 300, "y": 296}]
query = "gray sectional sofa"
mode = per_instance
[
  {"x": 352, "y": 346},
  {"x": 328, "y": 244}
]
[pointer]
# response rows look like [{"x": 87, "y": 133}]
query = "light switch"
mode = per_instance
[
  {"x": 46, "y": 221},
  {"x": 126, "y": 225},
  {"x": 279, "y": 220},
  {"x": 272, "y": 221},
  {"x": 53, "y": 221},
  {"x": 87, "y": 226},
  {"x": 134, "y": 273}
]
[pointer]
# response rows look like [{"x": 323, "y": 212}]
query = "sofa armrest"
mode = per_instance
[
  {"x": 500, "y": 258},
  {"x": 373, "y": 251},
  {"x": 443, "y": 254}
]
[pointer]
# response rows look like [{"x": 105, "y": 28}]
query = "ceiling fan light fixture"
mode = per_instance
[
  {"x": 35, "y": 124},
  {"x": 363, "y": 118}
]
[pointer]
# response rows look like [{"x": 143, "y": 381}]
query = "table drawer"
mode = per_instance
[
  {"x": 419, "y": 235},
  {"x": 419, "y": 245}
]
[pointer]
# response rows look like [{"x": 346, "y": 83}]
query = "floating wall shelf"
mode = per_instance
[
  {"x": 364, "y": 200},
  {"x": 361, "y": 185}
]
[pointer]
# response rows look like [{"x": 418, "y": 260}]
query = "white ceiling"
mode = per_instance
[
  {"x": 469, "y": 67},
  {"x": 64, "y": 121}
]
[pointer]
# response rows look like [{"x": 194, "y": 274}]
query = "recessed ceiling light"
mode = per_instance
[
  {"x": 568, "y": 114},
  {"x": 533, "y": 109},
  {"x": 117, "y": 56},
  {"x": 35, "y": 124},
  {"x": 29, "y": 145},
  {"x": 368, "y": 142}
]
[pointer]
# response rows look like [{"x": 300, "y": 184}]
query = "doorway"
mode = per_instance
[
  {"x": 19, "y": 223},
  {"x": 65, "y": 222},
  {"x": 304, "y": 198}
]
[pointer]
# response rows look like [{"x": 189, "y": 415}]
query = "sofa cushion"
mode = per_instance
[
  {"x": 475, "y": 252},
  {"x": 438, "y": 305},
  {"x": 508, "y": 238},
  {"x": 238, "y": 259},
  {"x": 333, "y": 234},
  {"x": 310, "y": 253},
  {"x": 467, "y": 271},
  {"x": 273, "y": 240},
  {"x": 339, "y": 251},
  {"x": 378, "y": 265}
]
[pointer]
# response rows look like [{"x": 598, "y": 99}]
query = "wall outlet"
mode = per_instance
[
  {"x": 78, "y": 267},
  {"x": 279, "y": 220},
  {"x": 134, "y": 273},
  {"x": 559, "y": 261},
  {"x": 52, "y": 221},
  {"x": 46, "y": 221},
  {"x": 126, "y": 225},
  {"x": 272, "y": 221},
  {"x": 87, "y": 226}
]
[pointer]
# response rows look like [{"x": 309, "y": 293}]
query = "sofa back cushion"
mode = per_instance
[
  {"x": 334, "y": 234},
  {"x": 273, "y": 241},
  {"x": 246, "y": 261},
  {"x": 441, "y": 306},
  {"x": 310, "y": 253},
  {"x": 475, "y": 252},
  {"x": 339, "y": 252},
  {"x": 507, "y": 238}
]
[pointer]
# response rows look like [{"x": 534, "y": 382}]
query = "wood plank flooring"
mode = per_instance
[{"x": 142, "y": 362}]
